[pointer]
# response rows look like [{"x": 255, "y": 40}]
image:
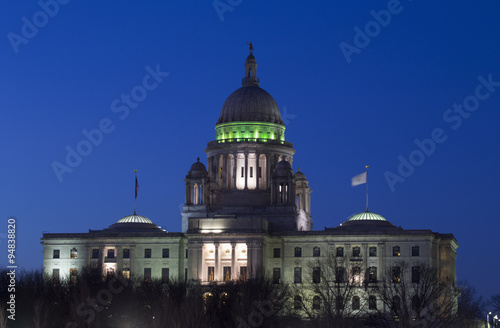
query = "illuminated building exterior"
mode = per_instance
[{"x": 246, "y": 214}]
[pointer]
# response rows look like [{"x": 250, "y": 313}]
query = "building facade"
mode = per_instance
[{"x": 247, "y": 214}]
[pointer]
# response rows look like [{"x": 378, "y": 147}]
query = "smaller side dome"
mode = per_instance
[
  {"x": 299, "y": 176},
  {"x": 283, "y": 168},
  {"x": 367, "y": 216},
  {"x": 197, "y": 170},
  {"x": 135, "y": 219}
]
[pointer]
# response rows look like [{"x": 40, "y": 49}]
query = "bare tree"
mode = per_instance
[
  {"x": 470, "y": 306},
  {"x": 332, "y": 292},
  {"x": 495, "y": 302},
  {"x": 417, "y": 296}
]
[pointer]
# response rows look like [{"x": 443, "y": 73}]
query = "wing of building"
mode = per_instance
[{"x": 247, "y": 214}]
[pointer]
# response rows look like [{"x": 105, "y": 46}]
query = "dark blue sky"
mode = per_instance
[{"x": 426, "y": 70}]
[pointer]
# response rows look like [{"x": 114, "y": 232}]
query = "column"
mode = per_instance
[
  {"x": 382, "y": 270},
  {"x": 216, "y": 264},
  {"x": 268, "y": 172},
  {"x": 225, "y": 173},
  {"x": 233, "y": 261},
  {"x": 246, "y": 171},
  {"x": 234, "y": 169},
  {"x": 257, "y": 171}
]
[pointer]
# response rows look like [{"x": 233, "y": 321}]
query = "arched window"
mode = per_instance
[
  {"x": 415, "y": 303},
  {"x": 356, "y": 303},
  {"x": 396, "y": 304},
  {"x": 316, "y": 251},
  {"x": 316, "y": 303}
]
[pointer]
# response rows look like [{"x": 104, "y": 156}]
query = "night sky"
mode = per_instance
[{"x": 411, "y": 88}]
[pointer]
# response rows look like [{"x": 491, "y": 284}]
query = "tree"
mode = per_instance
[
  {"x": 470, "y": 306},
  {"x": 417, "y": 296},
  {"x": 495, "y": 302},
  {"x": 331, "y": 293}
]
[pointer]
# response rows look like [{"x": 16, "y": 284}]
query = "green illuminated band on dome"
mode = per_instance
[{"x": 236, "y": 131}]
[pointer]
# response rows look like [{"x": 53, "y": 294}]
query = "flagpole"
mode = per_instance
[
  {"x": 135, "y": 199},
  {"x": 367, "y": 188}
]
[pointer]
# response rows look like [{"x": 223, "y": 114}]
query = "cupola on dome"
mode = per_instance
[
  {"x": 367, "y": 216},
  {"x": 135, "y": 219}
]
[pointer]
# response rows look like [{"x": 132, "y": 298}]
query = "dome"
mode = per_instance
[
  {"x": 299, "y": 176},
  {"x": 250, "y": 103},
  {"x": 367, "y": 216},
  {"x": 135, "y": 219},
  {"x": 197, "y": 170}
]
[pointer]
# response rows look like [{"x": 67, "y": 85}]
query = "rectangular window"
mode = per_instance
[
  {"x": 316, "y": 275},
  {"x": 340, "y": 275},
  {"x": 55, "y": 254},
  {"x": 227, "y": 273},
  {"x": 111, "y": 253},
  {"x": 396, "y": 251},
  {"x": 73, "y": 273},
  {"x": 147, "y": 274},
  {"x": 166, "y": 253},
  {"x": 277, "y": 252},
  {"x": 415, "y": 251},
  {"x": 396, "y": 274},
  {"x": 340, "y": 252},
  {"x": 110, "y": 271},
  {"x": 298, "y": 252},
  {"x": 55, "y": 275},
  {"x": 73, "y": 253},
  {"x": 165, "y": 274},
  {"x": 185, "y": 274},
  {"x": 415, "y": 274},
  {"x": 126, "y": 273},
  {"x": 373, "y": 251},
  {"x": 316, "y": 252},
  {"x": 243, "y": 273},
  {"x": 242, "y": 172},
  {"x": 372, "y": 303},
  {"x": 356, "y": 252},
  {"x": 211, "y": 271},
  {"x": 126, "y": 253},
  {"x": 186, "y": 253},
  {"x": 276, "y": 275},
  {"x": 372, "y": 274},
  {"x": 260, "y": 172},
  {"x": 147, "y": 253},
  {"x": 95, "y": 253},
  {"x": 297, "y": 275},
  {"x": 251, "y": 171}
]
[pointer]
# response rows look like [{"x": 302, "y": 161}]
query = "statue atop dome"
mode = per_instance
[{"x": 250, "y": 47}]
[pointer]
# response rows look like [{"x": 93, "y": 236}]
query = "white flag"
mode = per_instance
[{"x": 358, "y": 179}]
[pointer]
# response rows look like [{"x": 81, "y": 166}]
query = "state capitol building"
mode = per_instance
[{"x": 247, "y": 214}]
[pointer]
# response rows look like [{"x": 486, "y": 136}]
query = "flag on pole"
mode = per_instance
[
  {"x": 136, "y": 186},
  {"x": 358, "y": 179}
]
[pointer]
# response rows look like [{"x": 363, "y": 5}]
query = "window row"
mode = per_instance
[
  {"x": 226, "y": 270},
  {"x": 297, "y": 252},
  {"x": 340, "y": 303},
  {"x": 355, "y": 276},
  {"x": 111, "y": 253}
]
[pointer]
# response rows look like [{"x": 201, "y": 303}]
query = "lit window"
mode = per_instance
[
  {"x": 276, "y": 275},
  {"x": 95, "y": 253},
  {"x": 415, "y": 251},
  {"x": 55, "y": 254},
  {"x": 297, "y": 275},
  {"x": 373, "y": 251},
  {"x": 396, "y": 251},
  {"x": 316, "y": 303},
  {"x": 243, "y": 273},
  {"x": 316, "y": 275},
  {"x": 356, "y": 252},
  {"x": 227, "y": 273},
  {"x": 316, "y": 252},
  {"x": 372, "y": 274},
  {"x": 211, "y": 271},
  {"x": 277, "y": 253},
  {"x": 147, "y": 253},
  {"x": 340, "y": 252},
  {"x": 111, "y": 253},
  {"x": 110, "y": 271},
  {"x": 356, "y": 274},
  {"x": 298, "y": 251},
  {"x": 147, "y": 274},
  {"x": 73, "y": 273},
  {"x": 73, "y": 253},
  {"x": 126, "y": 273},
  {"x": 372, "y": 303},
  {"x": 126, "y": 253},
  {"x": 396, "y": 274},
  {"x": 166, "y": 253}
]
